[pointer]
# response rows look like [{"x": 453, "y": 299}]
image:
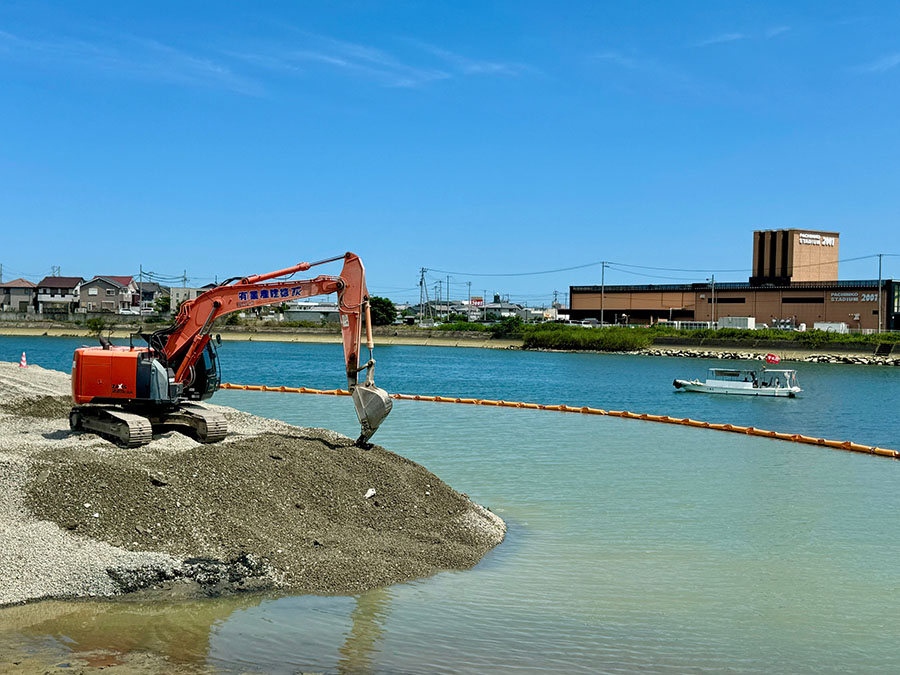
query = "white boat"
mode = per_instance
[{"x": 745, "y": 382}]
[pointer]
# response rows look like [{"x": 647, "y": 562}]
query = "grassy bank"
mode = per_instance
[
  {"x": 559, "y": 336},
  {"x": 614, "y": 339}
]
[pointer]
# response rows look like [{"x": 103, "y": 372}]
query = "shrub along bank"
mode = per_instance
[
  {"x": 559, "y": 336},
  {"x": 616, "y": 338}
]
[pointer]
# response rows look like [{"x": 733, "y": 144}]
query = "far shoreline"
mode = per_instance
[
  {"x": 386, "y": 336},
  {"x": 443, "y": 340}
]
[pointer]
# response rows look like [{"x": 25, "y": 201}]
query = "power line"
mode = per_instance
[
  {"x": 744, "y": 269},
  {"x": 649, "y": 276},
  {"x": 516, "y": 274},
  {"x": 645, "y": 267}
]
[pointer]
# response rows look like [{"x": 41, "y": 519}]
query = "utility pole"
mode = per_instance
[
  {"x": 424, "y": 300},
  {"x": 879, "y": 291},
  {"x": 141, "y": 290},
  {"x": 1, "y": 273},
  {"x": 602, "y": 289},
  {"x": 422, "y": 292},
  {"x": 713, "y": 299},
  {"x": 448, "y": 297},
  {"x": 484, "y": 305}
]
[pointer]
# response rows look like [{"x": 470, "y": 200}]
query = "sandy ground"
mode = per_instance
[{"x": 271, "y": 506}]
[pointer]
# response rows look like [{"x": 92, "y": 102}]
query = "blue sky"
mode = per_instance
[{"x": 501, "y": 137}]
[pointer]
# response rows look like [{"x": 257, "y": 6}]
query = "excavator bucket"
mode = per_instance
[{"x": 372, "y": 406}]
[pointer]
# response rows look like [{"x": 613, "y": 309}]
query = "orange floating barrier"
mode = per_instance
[{"x": 585, "y": 410}]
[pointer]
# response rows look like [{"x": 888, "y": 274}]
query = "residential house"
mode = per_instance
[
  {"x": 150, "y": 292},
  {"x": 313, "y": 311},
  {"x": 17, "y": 296},
  {"x": 179, "y": 294},
  {"x": 501, "y": 308},
  {"x": 57, "y": 295},
  {"x": 108, "y": 294},
  {"x": 533, "y": 314}
]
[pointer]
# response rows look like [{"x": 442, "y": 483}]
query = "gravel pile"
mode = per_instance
[{"x": 271, "y": 506}]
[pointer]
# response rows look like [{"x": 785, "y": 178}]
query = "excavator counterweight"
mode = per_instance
[{"x": 124, "y": 393}]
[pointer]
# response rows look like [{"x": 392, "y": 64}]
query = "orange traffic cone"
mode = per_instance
[{"x": 23, "y": 363}]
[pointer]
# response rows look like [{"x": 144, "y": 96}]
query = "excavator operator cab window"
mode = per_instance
[{"x": 206, "y": 377}]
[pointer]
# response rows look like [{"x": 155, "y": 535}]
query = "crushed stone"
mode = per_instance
[{"x": 273, "y": 505}]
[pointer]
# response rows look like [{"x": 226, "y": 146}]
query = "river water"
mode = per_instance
[{"x": 632, "y": 546}]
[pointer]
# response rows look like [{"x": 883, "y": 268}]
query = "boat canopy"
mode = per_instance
[
  {"x": 717, "y": 373},
  {"x": 765, "y": 377}
]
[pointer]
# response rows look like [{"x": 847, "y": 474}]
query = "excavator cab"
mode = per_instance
[{"x": 204, "y": 376}]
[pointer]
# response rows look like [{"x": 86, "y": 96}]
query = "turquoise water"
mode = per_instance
[{"x": 633, "y": 547}]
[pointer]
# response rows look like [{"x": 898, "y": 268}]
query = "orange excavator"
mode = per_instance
[{"x": 124, "y": 393}]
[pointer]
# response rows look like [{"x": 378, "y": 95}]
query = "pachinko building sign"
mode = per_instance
[{"x": 815, "y": 239}]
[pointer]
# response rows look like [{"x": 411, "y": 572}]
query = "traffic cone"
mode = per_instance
[{"x": 23, "y": 363}]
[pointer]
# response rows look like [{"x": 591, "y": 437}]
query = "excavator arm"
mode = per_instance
[{"x": 185, "y": 343}]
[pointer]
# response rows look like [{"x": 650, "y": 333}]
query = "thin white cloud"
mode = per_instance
[
  {"x": 651, "y": 70},
  {"x": 658, "y": 78},
  {"x": 349, "y": 57},
  {"x": 630, "y": 62},
  {"x": 776, "y": 30},
  {"x": 469, "y": 66},
  {"x": 128, "y": 57},
  {"x": 880, "y": 65},
  {"x": 131, "y": 57},
  {"x": 720, "y": 39},
  {"x": 376, "y": 64}
]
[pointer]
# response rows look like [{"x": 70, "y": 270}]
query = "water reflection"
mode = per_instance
[
  {"x": 104, "y": 633},
  {"x": 179, "y": 635},
  {"x": 369, "y": 617}
]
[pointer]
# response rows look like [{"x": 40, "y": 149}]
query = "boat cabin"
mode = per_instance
[
  {"x": 778, "y": 378},
  {"x": 754, "y": 378}
]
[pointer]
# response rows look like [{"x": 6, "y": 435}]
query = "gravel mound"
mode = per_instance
[
  {"x": 45, "y": 407},
  {"x": 271, "y": 506}
]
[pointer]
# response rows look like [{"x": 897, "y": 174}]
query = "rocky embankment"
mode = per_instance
[
  {"x": 753, "y": 356},
  {"x": 271, "y": 506}
]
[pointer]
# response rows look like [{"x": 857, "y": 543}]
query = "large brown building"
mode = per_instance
[
  {"x": 794, "y": 282},
  {"x": 782, "y": 256}
]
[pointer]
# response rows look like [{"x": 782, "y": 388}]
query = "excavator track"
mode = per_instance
[
  {"x": 123, "y": 428},
  {"x": 207, "y": 426}
]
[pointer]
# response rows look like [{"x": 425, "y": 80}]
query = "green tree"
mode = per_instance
[
  {"x": 511, "y": 325},
  {"x": 96, "y": 325},
  {"x": 383, "y": 311},
  {"x": 162, "y": 304}
]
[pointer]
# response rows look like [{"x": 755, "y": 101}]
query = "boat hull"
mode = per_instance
[{"x": 703, "y": 388}]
